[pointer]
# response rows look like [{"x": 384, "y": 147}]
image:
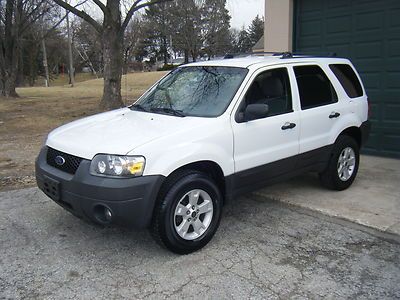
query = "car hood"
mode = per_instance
[{"x": 116, "y": 132}]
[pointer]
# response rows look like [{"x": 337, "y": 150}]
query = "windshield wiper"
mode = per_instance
[
  {"x": 138, "y": 107},
  {"x": 170, "y": 111}
]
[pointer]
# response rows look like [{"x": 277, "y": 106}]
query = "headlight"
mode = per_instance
[{"x": 117, "y": 166}]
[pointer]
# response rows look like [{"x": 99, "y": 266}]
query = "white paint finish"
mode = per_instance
[
  {"x": 211, "y": 140},
  {"x": 116, "y": 132},
  {"x": 263, "y": 141},
  {"x": 169, "y": 142},
  {"x": 317, "y": 129},
  {"x": 254, "y": 62}
]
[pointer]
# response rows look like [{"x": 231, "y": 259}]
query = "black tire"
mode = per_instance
[
  {"x": 330, "y": 176},
  {"x": 163, "y": 226}
]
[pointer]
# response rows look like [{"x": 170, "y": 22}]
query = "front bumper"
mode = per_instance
[{"x": 130, "y": 200}]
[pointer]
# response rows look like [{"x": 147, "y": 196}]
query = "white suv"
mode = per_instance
[{"x": 202, "y": 135}]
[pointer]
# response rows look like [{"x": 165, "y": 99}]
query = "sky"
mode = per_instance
[
  {"x": 241, "y": 11},
  {"x": 244, "y": 11}
]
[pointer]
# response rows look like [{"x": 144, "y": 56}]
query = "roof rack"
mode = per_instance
[
  {"x": 236, "y": 55},
  {"x": 283, "y": 55},
  {"x": 300, "y": 55}
]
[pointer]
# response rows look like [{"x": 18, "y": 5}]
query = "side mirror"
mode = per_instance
[{"x": 255, "y": 111}]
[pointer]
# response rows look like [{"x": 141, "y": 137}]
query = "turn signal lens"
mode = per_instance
[{"x": 135, "y": 168}]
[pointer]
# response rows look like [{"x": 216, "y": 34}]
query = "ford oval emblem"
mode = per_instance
[{"x": 59, "y": 160}]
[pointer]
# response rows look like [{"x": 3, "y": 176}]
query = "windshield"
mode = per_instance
[{"x": 193, "y": 91}]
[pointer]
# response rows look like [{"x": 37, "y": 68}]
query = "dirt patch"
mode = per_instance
[{"x": 26, "y": 121}]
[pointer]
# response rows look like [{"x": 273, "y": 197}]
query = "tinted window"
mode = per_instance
[
  {"x": 348, "y": 79},
  {"x": 194, "y": 91},
  {"x": 272, "y": 88},
  {"x": 315, "y": 89}
]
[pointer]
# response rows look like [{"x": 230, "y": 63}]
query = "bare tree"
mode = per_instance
[
  {"x": 111, "y": 31},
  {"x": 134, "y": 41},
  {"x": 16, "y": 17}
]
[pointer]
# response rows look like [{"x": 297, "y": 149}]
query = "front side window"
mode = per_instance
[
  {"x": 193, "y": 91},
  {"x": 315, "y": 88},
  {"x": 271, "y": 87}
]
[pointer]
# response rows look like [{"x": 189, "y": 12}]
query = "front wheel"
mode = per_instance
[
  {"x": 188, "y": 212},
  {"x": 343, "y": 164}
]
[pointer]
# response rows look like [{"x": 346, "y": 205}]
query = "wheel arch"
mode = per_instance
[
  {"x": 353, "y": 132},
  {"x": 208, "y": 167}
]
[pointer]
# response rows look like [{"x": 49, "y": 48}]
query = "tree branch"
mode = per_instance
[
  {"x": 81, "y": 14},
  {"x": 49, "y": 31},
  {"x": 135, "y": 7},
  {"x": 100, "y": 4},
  {"x": 130, "y": 14},
  {"x": 36, "y": 8}
]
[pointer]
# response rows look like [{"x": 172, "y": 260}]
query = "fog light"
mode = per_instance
[
  {"x": 103, "y": 214},
  {"x": 108, "y": 214}
]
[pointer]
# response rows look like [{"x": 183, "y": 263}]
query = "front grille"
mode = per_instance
[{"x": 71, "y": 162}]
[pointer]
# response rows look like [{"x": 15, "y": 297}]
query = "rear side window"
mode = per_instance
[
  {"x": 348, "y": 79},
  {"x": 315, "y": 88}
]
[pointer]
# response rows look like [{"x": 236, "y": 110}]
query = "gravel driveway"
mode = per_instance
[{"x": 263, "y": 249}]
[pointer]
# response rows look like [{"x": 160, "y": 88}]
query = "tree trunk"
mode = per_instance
[
  {"x": 21, "y": 77},
  {"x": 32, "y": 66},
  {"x": 194, "y": 55},
  {"x": 8, "y": 76},
  {"x": 113, "y": 61},
  {"x": 165, "y": 50},
  {"x": 70, "y": 57},
  {"x": 8, "y": 84},
  {"x": 10, "y": 54},
  {"x": 45, "y": 64},
  {"x": 186, "y": 56}
]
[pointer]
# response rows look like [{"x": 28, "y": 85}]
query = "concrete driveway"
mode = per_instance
[
  {"x": 263, "y": 249},
  {"x": 373, "y": 199}
]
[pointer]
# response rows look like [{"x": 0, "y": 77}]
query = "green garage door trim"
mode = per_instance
[{"x": 367, "y": 32}]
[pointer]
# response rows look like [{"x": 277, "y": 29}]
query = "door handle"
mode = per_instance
[
  {"x": 334, "y": 114},
  {"x": 288, "y": 125}
]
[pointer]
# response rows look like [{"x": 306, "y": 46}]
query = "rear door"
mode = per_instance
[{"x": 320, "y": 108}]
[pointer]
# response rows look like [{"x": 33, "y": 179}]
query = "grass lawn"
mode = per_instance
[
  {"x": 63, "y": 79},
  {"x": 26, "y": 121}
]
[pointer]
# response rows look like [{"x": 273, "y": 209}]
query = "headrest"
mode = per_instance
[{"x": 272, "y": 87}]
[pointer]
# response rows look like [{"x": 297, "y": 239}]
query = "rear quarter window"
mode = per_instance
[{"x": 348, "y": 79}]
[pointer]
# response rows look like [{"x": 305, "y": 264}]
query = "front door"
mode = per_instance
[{"x": 266, "y": 148}]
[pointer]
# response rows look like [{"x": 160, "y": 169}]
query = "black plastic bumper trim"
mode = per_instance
[
  {"x": 365, "y": 131},
  {"x": 131, "y": 200}
]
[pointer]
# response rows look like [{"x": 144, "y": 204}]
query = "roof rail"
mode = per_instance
[
  {"x": 233, "y": 55},
  {"x": 283, "y": 55},
  {"x": 300, "y": 55}
]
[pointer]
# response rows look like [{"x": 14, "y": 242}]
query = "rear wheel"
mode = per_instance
[
  {"x": 188, "y": 212},
  {"x": 343, "y": 164}
]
